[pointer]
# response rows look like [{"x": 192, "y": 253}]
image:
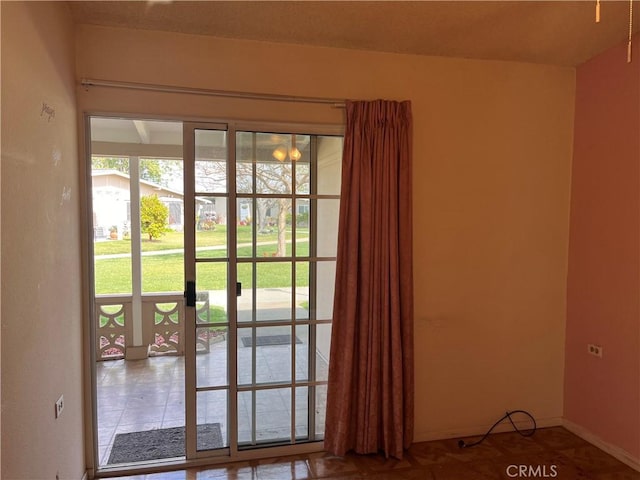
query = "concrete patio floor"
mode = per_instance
[{"x": 134, "y": 396}]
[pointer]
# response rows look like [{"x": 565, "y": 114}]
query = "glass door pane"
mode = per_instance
[
  {"x": 138, "y": 223},
  {"x": 276, "y": 215},
  {"x": 262, "y": 240},
  {"x": 210, "y": 203}
]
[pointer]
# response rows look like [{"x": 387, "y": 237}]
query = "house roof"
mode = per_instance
[
  {"x": 549, "y": 32},
  {"x": 116, "y": 173}
]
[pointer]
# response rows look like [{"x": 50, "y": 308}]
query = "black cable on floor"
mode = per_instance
[{"x": 524, "y": 433}]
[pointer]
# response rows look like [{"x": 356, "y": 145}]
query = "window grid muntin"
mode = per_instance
[{"x": 312, "y": 260}]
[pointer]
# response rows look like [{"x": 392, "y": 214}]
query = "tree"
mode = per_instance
[
  {"x": 271, "y": 178},
  {"x": 154, "y": 216},
  {"x": 278, "y": 178},
  {"x": 256, "y": 163},
  {"x": 151, "y": 170}
]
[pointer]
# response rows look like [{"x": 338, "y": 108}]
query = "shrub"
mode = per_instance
[{"x": 154, "y": 216}]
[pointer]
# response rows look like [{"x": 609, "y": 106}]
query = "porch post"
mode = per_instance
[{"x": 137, "y": 350}]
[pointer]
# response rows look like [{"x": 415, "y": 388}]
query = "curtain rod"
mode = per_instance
[{"x": 274, "y": 97}]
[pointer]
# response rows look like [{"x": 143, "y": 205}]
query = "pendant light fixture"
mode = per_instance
[
  {"x": 280, "y": 153},
  {"x": 294, "y": 153}
]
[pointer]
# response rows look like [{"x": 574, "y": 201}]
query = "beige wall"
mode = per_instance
[
  {"x": 41, "y": 308},
  {"x": 492, "y": 153}
]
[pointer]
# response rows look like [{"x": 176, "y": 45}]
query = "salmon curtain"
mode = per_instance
[{"x": 370, "y": 390}]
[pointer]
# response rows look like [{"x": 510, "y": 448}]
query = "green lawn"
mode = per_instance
[
  {"x": 165, "y": 273},
  {"x": 169, "y": 241},
  {"x": 175, "y": 240}
]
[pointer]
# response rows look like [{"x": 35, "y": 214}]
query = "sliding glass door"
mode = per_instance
[
  {"x": 260, "y": 263},
  {"x": 209, "y": 319},
  {"x": 213, "y": 261}
]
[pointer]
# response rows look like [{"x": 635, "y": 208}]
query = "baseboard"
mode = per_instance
[
  {"x": 475, "y": 431},
  {"x": 617, "y": 452}
]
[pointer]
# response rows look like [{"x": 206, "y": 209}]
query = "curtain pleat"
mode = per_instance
[{"x": 371, "y": 383}]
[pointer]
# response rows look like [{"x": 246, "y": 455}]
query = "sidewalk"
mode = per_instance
[{"x": 198, "y": 249}]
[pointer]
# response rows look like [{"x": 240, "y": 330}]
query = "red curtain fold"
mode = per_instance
[{"x": 371, "y": 383}]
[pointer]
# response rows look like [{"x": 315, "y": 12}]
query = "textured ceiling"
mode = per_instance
[{"x": 552, "y": 32}]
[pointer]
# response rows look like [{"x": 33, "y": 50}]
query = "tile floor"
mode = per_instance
[
  {"x": 148, "y": 394},
  {"x": 551, "y": 453}
]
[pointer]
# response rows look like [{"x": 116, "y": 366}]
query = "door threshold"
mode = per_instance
[{"x": 159, "y": 466}]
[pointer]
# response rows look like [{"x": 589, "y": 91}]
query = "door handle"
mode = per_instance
[
  {"x": 190, "y": 294},
  {"x": 238, "y": 289}
]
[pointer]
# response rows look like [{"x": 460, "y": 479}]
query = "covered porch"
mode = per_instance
[{"x": 149, "y": 393}]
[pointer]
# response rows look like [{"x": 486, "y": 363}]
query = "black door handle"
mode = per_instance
[{"x": 190, "y": 294}]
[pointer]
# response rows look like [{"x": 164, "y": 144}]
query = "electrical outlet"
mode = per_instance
[
  {"x": 595, "y": 350},
  {"x": 59, "y": 406}
]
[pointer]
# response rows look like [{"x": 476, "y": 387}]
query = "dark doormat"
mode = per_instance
[
  {"x": 267, "y": 340},
  {"x": 161, "y": 443}
]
